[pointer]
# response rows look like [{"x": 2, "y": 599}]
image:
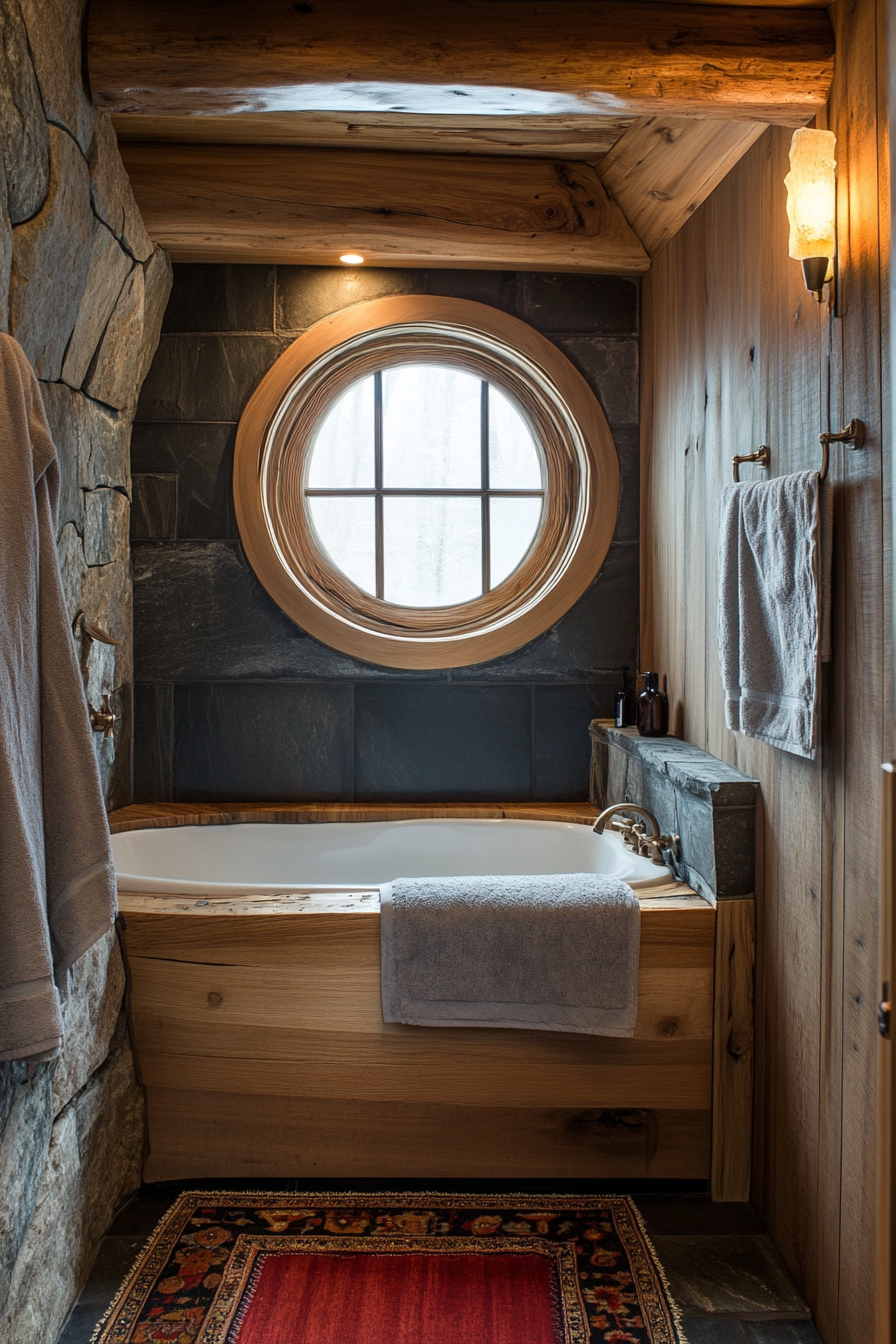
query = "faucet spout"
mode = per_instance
[
  {"x": 660, "y": 849},
  {"x": 609, "y": 812}
]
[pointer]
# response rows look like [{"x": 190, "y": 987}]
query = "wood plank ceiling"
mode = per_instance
[{"x": 589, "y": 134}]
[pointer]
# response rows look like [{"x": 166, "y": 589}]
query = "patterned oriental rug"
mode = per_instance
[{"x": 226, "y": 1268}]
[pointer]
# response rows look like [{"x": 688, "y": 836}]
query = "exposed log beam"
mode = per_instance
[
  {"x": 263, "y": 204},
  {"x": 663, "y": 168},
  {"x": 543, "y": 137},
  {"x": 182, "y": 57}
]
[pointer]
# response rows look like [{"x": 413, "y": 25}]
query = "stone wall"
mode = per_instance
[
  {"x": 83, "y": 289},
  {"x": 234, "y": 701}
]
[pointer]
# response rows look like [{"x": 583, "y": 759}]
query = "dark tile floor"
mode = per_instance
[{"x": 723, "y": 1271}]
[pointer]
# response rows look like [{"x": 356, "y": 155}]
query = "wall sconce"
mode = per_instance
[{"x": 812, "y": 206}]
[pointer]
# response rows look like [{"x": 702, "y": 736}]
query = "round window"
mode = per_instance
[
  {"x": 424, "y": 482},
  {"x": 424, "y": 485}
]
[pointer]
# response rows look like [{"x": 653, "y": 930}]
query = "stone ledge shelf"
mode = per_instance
[{"x": 709, "y": 804}]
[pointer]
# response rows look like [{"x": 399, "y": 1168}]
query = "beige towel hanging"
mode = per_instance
[
  {"x": 774, "y": 607},
  {"x": 57, "y": 885}
]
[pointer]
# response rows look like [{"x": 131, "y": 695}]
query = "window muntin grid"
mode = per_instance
[{"x": 453, "y": 530}]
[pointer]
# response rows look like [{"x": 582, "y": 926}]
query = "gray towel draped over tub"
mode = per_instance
[
  {"x": 774, "y": 607},
  {"x": 546, "y": 953},
  {"x": 57, "y": 884}
]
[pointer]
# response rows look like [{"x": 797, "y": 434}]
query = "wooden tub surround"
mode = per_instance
[{"x": 260, "y": 1039}]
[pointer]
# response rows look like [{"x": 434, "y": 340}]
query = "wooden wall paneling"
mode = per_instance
[
  {"x": 790, "y": 404},
  {"x": 697, "y": 448},
  {"x": 307, "y": 206},
  {"x": 886, "y": 45},
  {"x": 859, "y": 635},
  {"x": 556, "y": 136},
  {"x": 672, "y": 297},
  {"x": 886, "y": 1249},
  {"x": 732, "y": 1066},
  {"x": 733, "y": 262},
  {"x": 650, "y": 365},
  {"x": 732, "y": 376},
  {"x": 831, "y": 1134},
  {"x": 886, "y": 1260},
  {"x": 161, "y": 58},
  {"x": 817, "y": 910},
  {"x": 662, "y": 168}
]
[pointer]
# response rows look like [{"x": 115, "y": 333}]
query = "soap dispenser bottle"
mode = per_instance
[{"x": 653, "y": 708}]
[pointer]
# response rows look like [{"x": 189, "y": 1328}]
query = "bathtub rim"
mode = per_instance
[{"x": 165, "y": 816}]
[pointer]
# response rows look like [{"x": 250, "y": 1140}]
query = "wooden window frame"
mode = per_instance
[{"x": 272, "y": 453}]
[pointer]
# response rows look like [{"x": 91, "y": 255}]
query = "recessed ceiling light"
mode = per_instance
[{"x": 352, "y": 259}]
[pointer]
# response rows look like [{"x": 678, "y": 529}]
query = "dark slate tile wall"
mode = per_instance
[{"x": 233, "y": 700}]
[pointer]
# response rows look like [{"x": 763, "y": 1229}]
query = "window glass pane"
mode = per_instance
[
  {"x": 432, "y": 551},
  {"x": 513, "y": 461},
  {"x": 431, "y": 428},
  {"x": 512, "y": 527},
  {"x": 347, "y": 530},
  {"x": 342, "y": 454}
]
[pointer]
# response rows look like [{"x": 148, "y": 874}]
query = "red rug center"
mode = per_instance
[{"x": 401, "y": 1299}]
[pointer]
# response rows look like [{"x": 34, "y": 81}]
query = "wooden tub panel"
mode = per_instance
[
  {"x": 672, "y": 1002},
  {"x": 269, "y": 1011},
  {"x": 197, "y": 1135}
]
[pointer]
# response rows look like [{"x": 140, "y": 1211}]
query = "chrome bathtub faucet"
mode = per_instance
[{"x": 660, "y": 849}]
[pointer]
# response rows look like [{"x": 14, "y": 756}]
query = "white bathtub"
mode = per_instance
[{"x": 248, "y": 858}]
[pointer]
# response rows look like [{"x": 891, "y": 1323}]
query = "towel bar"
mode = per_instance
[
  {"x": 853, "y": 433},
  {"x": 763, "y": 457}
]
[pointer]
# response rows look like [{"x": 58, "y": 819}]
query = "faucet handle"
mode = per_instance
[
  {"x": 627, "y": 829},
  {"x": 663, "y": 851}
]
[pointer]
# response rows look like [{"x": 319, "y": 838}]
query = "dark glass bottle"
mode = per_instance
[{"x": 653, "y": 708}]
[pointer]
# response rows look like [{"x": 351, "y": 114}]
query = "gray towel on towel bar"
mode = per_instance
[
  {"x": 546, "y": 953},
  {"x": 57, "y": 885},
  {"x": 774, "y": 607}
]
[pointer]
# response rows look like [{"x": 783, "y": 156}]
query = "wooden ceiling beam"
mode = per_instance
[
  {"x": 552, "y": 137},
  {"x": 663, "y": 168},
  {"x": 616, "y": 57},
  {"x": 308, "y": 206}
]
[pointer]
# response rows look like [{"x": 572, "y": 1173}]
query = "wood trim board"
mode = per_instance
[
  {"x": 144, "y": 816},
  {"x": 548, "y": 137},
  {"x": 301, "y": 206},
  {"x": 662, "y": 168}
]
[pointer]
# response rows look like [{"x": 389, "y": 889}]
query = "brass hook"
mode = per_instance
[
  {"x": 853, "y": 433},
  {"x": 104, "y": 719},
  {"x": 88, "y": 635},
  {"x": 763, "y": 456}
]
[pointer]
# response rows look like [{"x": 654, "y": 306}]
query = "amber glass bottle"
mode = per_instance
[{"x": 653, "y": 708}]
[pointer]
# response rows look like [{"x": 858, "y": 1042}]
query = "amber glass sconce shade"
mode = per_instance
[{"x": 812, "y": 206}]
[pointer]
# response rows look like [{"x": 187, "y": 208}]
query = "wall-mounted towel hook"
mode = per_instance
[
  {"x": 763, "y": 456},
  {"x": 104, "y": 719},
  {"x": 853, "y": 433},
  {"x": 88, "y": 635}
]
